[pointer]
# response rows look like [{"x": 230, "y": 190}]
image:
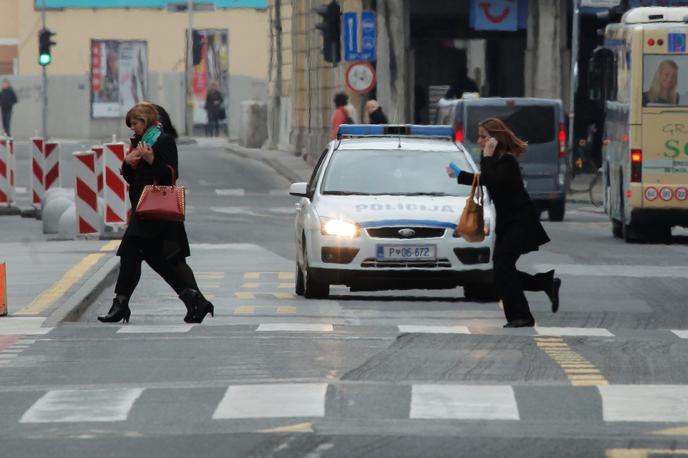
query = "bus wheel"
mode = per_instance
[{"x": 617, "y": 230}]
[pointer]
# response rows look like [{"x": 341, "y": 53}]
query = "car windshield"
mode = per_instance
[{"x": 393, "y": 172}]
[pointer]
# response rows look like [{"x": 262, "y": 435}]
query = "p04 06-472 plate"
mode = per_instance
[{"x": 397, "y": 252}]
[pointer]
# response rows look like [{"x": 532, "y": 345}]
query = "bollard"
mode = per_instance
[
  {"x": 86, "y": 195},
  {"x": 52, "y": 165},
  {"x": 98, "y": 149},
  {"x": 114, "y": 188},
  {"x": 6, "y": 172},
  {"x": 37, "y": 167},
  {"x": 3, "y": 289}
]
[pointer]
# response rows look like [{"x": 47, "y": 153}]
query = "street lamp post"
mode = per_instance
[
  {"x": 44, "y": 77},
  {"x": 189, "y": 68}
]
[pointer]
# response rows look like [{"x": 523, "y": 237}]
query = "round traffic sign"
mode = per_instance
[{"x": 360, "y": 77}]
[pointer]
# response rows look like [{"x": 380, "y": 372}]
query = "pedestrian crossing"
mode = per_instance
[{"x": 340, "y": 400}]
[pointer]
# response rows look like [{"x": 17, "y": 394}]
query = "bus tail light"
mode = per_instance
[
  {"x": 636, "y": 165},
  {"x": 562, "y": 140},
  {"x": 458, "y": 132}
]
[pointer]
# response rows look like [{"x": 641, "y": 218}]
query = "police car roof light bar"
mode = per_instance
[{"x": 354, "y": 130}]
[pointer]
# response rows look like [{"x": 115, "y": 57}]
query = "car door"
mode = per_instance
[{"x": 304, "y": 206}]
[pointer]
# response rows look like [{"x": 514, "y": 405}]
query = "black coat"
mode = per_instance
[
  {"x": 518, "y": 227},
  {"x": 378, "y": 117},
  {"x": 7, "y": 99},
  {"x": 214, "y": 105},
  {"x": 169, "y": 235}
]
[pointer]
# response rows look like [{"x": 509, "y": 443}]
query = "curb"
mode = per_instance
[
  {"x": 81, "y": 300},
  {"x": 12, "y": 210},
  {"x": 274, "y": 164}
]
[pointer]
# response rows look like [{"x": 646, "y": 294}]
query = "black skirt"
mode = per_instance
[{"x": 167, "y": 238}]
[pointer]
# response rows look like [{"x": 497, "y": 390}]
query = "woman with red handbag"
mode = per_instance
[{"x": 162, "y": 244}]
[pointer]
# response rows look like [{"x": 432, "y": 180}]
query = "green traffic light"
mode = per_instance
[{"x": 44, "y": 59}]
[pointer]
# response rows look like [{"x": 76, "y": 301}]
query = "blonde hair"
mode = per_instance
[
  {"x": 507, "y": 141},
  {"x": 145, "y": 112},
  {"x": 655, "y": 87}
]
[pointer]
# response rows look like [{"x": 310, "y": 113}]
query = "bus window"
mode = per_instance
[
  {"x": 602, "y": 76},
  {"x": 665, "y": 80}
]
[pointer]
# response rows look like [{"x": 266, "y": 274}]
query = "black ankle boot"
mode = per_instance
[
  {"x": 200, "y": 306},
  {"x": 118, "y": 311},
  {"x": 190, "y": 298}
]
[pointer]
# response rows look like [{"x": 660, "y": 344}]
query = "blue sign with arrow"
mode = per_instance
[{"x": 367, "y": 51}]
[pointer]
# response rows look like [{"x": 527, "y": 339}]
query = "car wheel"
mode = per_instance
[
  {"x": 617, "y": 230},
  {"x": 556, "y": 210},
  {"x": 480, "y": 293},
  {"x": 298, "y": 284},
  {"x": 312, "y": 288}
]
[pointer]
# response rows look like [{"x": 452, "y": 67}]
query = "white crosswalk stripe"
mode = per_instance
[
  {"x": 661, "y": 403},
  {"x": 274, "y": 401},
  {"x": 95, "y": 405},
  {"x": 461, "y": 402}
]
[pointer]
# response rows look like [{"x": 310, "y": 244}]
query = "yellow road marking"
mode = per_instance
[
  {"x": 286, "y": 309},
  {"x": 285, "y": 285},
  {"x": 245, "y": 295},
  {"x": 245, "y": 310},
  {"x": 280, "y": 275},
  {"x": 642, "y": 452},
  {"x": 578, "y": 378},
  {"x": 577, "y": 366},
  {"x": 589, "y": 382},
  {"x": 578, "y": 370},
  {"x": 283, "y": 295},
  {"x": 60, "y": 287},
  {"x": 214, "y": 275},
  {"x": 582, "y": 371},
  {"x": 680, "y": 431},
  {"x": 112, "y": 245},
  {"x": 250, "y": 285},
  {"x": 306, "y": 427},
  {"x": 286, "y": 275},
  {"x": 252, "y": 275}
]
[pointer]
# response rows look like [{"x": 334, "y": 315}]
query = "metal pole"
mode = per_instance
[
  {"x": 44, "y": 111},
  {"x": 189, "y": 68},
  {"x": 575, "y": 76}
]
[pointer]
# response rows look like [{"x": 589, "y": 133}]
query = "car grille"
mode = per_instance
[
  {"x": 393, "y": 232},
  {"x": 424, "y": 264}
]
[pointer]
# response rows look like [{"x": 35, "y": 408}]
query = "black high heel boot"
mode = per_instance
[
  {"x": 189, "y": 297},
  {"x": 119, "y": 311},
  {"x": 203, "y": 307}
]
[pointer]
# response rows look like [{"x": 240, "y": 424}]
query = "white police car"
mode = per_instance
[{"x": 379, "y": 213}]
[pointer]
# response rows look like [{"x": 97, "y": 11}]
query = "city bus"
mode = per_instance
[{"x": 641, "y": 73}]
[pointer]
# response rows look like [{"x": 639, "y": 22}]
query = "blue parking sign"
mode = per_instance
[{"x": 676, "y": 42}]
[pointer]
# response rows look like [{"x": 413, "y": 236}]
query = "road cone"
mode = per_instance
[{"x": 3, "y": 290}]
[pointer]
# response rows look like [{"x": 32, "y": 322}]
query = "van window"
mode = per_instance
[{"x": 533, "y": 124}]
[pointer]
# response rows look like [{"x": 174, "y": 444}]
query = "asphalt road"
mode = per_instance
[{"x": 381, "y": 374}]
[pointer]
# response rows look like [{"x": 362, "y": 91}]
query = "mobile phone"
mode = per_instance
[
  {"x": 455, "y": 168},
  {"x": 134, "y": 142}
]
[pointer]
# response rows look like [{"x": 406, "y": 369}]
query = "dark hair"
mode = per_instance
[
  {"x": 340, "y": 99},
  {"x": 166, "y": 122}
]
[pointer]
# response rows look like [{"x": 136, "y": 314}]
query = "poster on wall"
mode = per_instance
[
  {"x": 119, "y": 76},
  {"x": 210, "y": 70}
]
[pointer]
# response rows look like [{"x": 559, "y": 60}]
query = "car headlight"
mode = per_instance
[{"x": 338, "y": 227}]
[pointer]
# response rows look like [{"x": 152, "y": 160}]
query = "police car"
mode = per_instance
[{"x": 379, "y": 213}]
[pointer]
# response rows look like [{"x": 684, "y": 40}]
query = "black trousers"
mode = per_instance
[
  {"x": 511, "y": 283},
  {"x": 176, "y": 272},
  {"x": 6, "y": 116}
]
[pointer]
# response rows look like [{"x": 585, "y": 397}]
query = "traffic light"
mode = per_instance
[
  {"x": 196, "y": 47},
  {"x": 44, "y": 44},
  {"x": 331, "y": 30}
]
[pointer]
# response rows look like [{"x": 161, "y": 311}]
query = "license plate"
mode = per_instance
[{"x": 391, "y": 252}]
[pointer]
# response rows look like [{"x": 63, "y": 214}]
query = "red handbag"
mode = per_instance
[{"x": 162, "y": 203}]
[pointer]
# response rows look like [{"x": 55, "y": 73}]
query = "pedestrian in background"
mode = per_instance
[
  {"x": 375, "y": 113},
  {"x": 215, "y": 109},
  {"x": 162, "y": 244},
  {"x": 7, "y": 100},
  {"x": 518, "y": 228},
  {"x": 341, "y": 114}
]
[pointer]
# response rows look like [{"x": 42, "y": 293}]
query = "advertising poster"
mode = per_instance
[
  {"x": 211, "y": 71},
  {"x": 119, "y": 76}
]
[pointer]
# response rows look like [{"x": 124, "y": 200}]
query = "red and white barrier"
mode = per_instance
[
  {"x": 7, "y": 194},
  {"x": 37, "y": 171},
  {"x": 51, "y": 169},
  {"x": 98, "y": 149},
  {"x": 86, "y": 194},
  {"x": 114, "y": 188}
]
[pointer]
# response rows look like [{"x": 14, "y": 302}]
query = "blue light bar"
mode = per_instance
[
  {"x": 414, "y": 130},
  {"x": 360, "y": 129}
]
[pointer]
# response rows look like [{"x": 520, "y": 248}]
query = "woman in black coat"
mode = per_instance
[
  {"x": 518, "y": 227},
  {"x": 152, "y": 159}
]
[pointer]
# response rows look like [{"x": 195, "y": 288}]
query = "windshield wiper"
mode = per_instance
[
  {"x": 345, "y": 193},
  {"x": 425, "y": 194}
]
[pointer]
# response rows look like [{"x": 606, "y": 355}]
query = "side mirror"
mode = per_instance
[{"x": 299, "y": 189}]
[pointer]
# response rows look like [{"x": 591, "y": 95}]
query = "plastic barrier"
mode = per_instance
[
  {"x": 37, "y": 167},
  {"x": 7, "y": 191},
  {"x": 115, "y": 188},
  {"x": 3, "y": 289},
  {"x": 85, "y": 191},
  {"x": 98, "y": 149},
  {"x": 51, "y": 171}
]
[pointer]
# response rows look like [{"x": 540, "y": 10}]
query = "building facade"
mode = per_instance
[{"x": 239, "y": 28}]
